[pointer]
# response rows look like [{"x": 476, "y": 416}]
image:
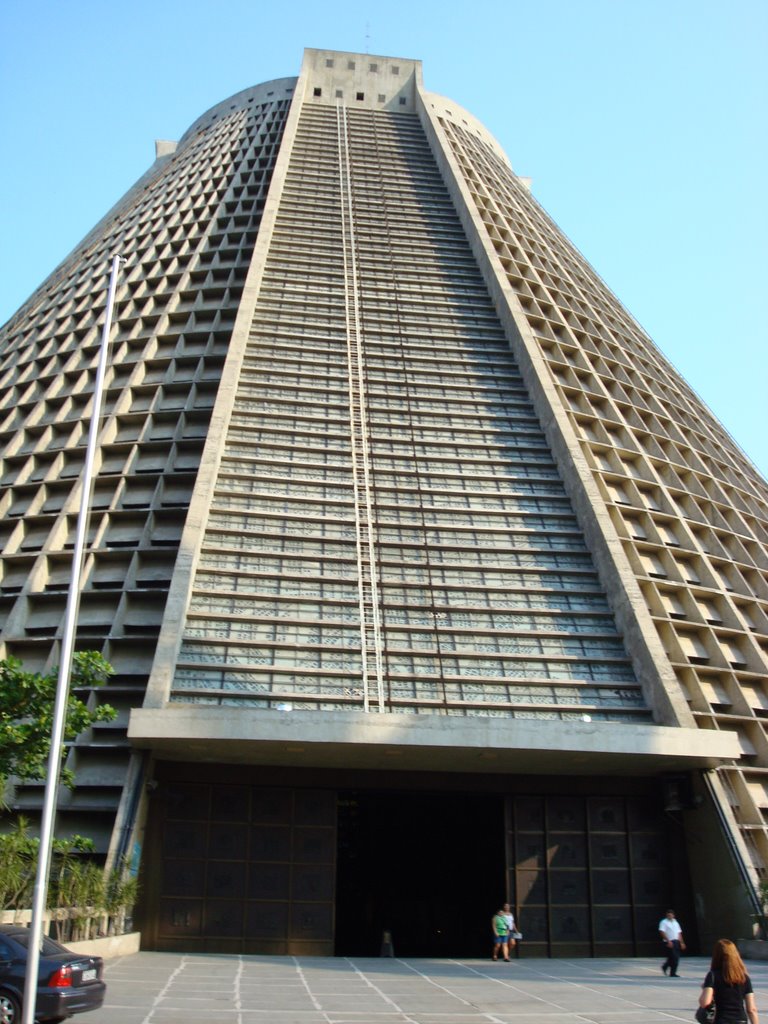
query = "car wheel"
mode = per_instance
[{"x": 10, "y": 1009}]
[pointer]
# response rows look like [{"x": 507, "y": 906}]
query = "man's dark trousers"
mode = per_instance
[{"x": 673, "y": 956}]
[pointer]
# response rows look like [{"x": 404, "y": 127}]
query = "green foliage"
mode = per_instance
[
  {"x": 26, "y": 713},
  {"x": 80, "y": 890},
  {"x": 121, "y": 890},
  {"x": 18, "y": 865}
]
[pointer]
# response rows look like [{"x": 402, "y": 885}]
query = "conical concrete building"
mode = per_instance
[{"x": 426, "y": 579}]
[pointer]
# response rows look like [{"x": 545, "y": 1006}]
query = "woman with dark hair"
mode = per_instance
[{"x": 728, "y": 983}]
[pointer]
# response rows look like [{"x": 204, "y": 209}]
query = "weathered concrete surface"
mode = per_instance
[
  {"x": 109, "y": 947},
  {"x": 411, "y": 742}
]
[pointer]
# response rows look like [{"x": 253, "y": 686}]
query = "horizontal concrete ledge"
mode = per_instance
[
  {"x": 753, "y": 949},
  {"x": 233, "y": 735},
  {"x": 109, "y": 946}
]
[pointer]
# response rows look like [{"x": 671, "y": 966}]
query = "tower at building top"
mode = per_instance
[
  {"x": 381, "y": 83},
  {"x": 361, "y": 79},
  {"x": 357, "y": 80}
]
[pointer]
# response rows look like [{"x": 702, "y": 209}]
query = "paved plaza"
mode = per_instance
[{"x": 173, "y": 988}]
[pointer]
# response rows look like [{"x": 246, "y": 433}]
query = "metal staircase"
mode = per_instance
[{"x": 368, "y": 588}]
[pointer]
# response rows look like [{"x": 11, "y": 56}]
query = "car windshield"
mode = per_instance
[{"x": 48, "y": 948}]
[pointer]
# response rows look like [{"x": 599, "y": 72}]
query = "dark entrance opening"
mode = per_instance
[{"x": 426, "y": 867}]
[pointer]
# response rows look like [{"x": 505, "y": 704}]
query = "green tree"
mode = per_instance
[
  {"x": 82, "y": 896},
  {"x": 18, "y": 862},
  {"x": 26, "y": 713},
  {"x": 18, "y": 866}
]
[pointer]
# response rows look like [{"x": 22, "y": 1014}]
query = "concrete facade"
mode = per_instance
[{"x": 389, "y": 482}]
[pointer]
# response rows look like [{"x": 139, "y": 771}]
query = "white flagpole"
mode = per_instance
[{"x": 65, "y": 670}]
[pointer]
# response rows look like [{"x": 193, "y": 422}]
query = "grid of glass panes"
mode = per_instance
[{"x": 489, "y": 599}]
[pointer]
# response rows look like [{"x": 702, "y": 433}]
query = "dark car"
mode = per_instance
[{"x": 67, "y": 982}]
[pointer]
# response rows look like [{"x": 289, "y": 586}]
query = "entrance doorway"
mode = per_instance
[
  {"x": 275, "y": 862},
  {"x": 426, "y": 867}
]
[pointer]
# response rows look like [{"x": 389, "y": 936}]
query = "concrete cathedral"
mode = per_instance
[{"x": 427, "y": 581}]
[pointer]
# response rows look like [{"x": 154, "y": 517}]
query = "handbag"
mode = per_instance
[
  {"x": 705, "y": 1014},
  {"x": 516, "y": 935}
]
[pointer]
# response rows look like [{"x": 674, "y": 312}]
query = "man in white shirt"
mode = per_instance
[{"x": 672, "y": 936}]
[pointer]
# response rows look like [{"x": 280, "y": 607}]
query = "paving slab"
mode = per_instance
[{"x": 176, "y": 988}]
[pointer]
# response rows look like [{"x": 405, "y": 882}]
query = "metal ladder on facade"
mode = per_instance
[{"x": 368, "y": 587}]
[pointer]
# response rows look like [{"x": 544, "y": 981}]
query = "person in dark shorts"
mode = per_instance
[{"x": 728, "y": 983}]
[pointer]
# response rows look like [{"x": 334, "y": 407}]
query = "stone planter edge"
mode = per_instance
[{"x": 753, "y": 949}]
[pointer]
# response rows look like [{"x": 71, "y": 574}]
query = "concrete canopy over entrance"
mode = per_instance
[{"x": 306, "y": 739}]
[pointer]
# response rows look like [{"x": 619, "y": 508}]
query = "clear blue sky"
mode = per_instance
[{"x": 641, "y": 122}]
